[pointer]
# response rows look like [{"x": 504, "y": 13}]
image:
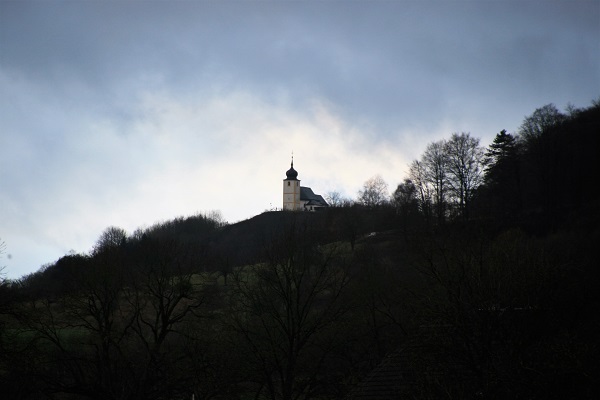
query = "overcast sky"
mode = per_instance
[{"x": 129, "y": 113}]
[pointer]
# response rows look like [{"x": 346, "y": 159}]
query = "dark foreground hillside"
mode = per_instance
[{"x": 465, "y": 311}]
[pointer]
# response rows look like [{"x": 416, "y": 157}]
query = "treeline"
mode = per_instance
[
  {"x": 477, "y": 278},
  {"x": 537, "y": 175}
]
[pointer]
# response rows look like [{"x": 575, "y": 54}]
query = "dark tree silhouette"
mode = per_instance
[
  {"x": 435, "y": 175},
  {"x": 465, "y": 169},
  {"x": 288, "y": 311},
  {"x": 502, "y": 176}
]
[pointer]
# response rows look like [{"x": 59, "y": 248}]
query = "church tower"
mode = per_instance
[{"x": 291, "y": 190}]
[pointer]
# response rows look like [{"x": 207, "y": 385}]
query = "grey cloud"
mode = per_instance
[{"x": 384, "y": 59}]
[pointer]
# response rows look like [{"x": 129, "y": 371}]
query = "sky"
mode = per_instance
[{"x": 128, "y": 113}]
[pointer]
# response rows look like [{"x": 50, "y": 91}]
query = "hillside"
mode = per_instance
[{"x": 328, "y": 305}]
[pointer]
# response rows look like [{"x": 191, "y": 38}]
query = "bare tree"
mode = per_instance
[
  {"x": 405, "y": 198},
  {"x": 374, "y": 192},
  {"x": 541, "y": 150},
  {"x": 542, "y": 119},
  {"x": 435, "y": 173},
  {"x": 5, "y": 296},
  {"x": 80, "y": 337},
  {"x": 118, "y": 333},
  {"x": 424, "y": 190},
  {"x": 286, "y": 311},
  {"x": 111, "y": 238},
  {"x": 163, "y": 298},
  {"x": 465, "y": 168},
  {"x": 2, "y": 250},
  {"x": 334, "y": 199}
]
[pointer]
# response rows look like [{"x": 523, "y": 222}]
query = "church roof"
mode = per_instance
[
  {"x": 291, "y": 173},
  {"x": 312, "y": 199}
]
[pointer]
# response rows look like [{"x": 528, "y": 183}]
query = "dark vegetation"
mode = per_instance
[{"x": 476, "y": 280}]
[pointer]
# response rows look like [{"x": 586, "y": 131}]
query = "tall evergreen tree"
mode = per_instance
[{"x": 502, "y": 174}]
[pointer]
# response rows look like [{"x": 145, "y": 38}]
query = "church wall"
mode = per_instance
[{"x": 291, "y": 195}]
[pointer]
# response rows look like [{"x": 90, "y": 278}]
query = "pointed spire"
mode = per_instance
[{"x": 292, "y": 173}]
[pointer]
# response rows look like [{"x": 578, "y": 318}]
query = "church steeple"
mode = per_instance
[
  {"x": 291, "y": 173},
  {"x": 291, "y": 189}
]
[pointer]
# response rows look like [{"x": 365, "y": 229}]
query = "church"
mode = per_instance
[{"x": 299, "y": 198}]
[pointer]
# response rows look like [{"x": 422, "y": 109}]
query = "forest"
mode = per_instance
[{"x": 475, "y": 279}]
